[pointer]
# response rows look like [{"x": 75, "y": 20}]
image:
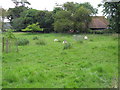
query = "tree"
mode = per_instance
[
  {"x": 33, "y": 28},
  {"x": 45, "y": 19},
  {"x": 72, "y": 7},
  {"x": 74, "y": 16},
  {"x": 82, "y": 19},
  {"x": 88, "y": 6},
  {"x": 63, "y": 14},
  {"x": 113, "y": 10},
  {"x": 63, "y": 25},
  {"x": 62, "y": 21},
  {"x": 24, "y": 19},
  {"x": 14, "y": 13},
  {"x": 22, "y": 2},
  {"x": 57, "y": 9}
]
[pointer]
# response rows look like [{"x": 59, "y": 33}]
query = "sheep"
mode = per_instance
[
  {"x": 64, "y": 42},
  {"x": 85, "y": 37},
  {"x": 56, "y": 40}
]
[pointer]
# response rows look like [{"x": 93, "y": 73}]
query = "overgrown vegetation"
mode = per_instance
[
  {"x": 22, "y": 41},
  {"x": 41, "y": 42},
  {"x": 92, "y": 64}
]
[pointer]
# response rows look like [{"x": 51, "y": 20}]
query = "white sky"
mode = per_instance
[{"x": 50, "y": 4}]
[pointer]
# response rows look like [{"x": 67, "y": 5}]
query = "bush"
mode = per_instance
[
  {"x": 41, "y": 42},
  {"x": 67, "y": 46},
  {"x": 21, "y": 42},
  {"x": 33, "y": 28},
  {"x": 35, "y": 38}
]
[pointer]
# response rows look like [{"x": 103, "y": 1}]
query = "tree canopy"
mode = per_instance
[
  {"x": 62, "y": 19},
  {"x": 112, "y": 11}
]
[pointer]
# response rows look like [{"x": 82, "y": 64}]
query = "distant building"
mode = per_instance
[{"x": 98, "y": 23}]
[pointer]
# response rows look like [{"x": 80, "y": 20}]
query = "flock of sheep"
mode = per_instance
[{"x": 65, "y": 41}]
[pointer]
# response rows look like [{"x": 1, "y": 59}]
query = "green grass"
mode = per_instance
[{"x": 90, "y": 64}]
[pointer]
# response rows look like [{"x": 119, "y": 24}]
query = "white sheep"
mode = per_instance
[
  {"x": 56, "y": 40},
  {"x": 85, "y": 37},
  {"x": 64, "y": 42}
]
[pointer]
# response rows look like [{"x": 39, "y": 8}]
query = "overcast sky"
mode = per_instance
[{"x": 49, "y": 4}]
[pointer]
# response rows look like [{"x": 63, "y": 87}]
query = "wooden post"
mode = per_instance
[{"x": 3, "y": 44}]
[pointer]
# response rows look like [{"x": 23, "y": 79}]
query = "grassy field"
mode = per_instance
[{"x": 92, "y": 63}]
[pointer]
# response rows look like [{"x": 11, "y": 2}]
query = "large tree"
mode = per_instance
[
  {"x": 31, "y": 16},
  {"x": 74, "y": 16},
  {"x": 63, "y": 21},
  {"x": 14, "y": 13},
  {"x": 72, "y": 7},
  {"x": 82, "y": 19},
  {"x": 45, "y": 19},
  {"x": 22, "y": 2},
  {"x": 112, "y": 11}
]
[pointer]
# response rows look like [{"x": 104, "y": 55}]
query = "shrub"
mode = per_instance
[
  {"x": 35, "y": 38},
  {"x": 21, "y": 42},
  {"x": 33, "y": 28},
  {"x": 41, "y": 42},
  {"x": 67, "y": 46}
]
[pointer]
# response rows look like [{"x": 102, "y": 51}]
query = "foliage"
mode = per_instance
[
  {"x": 78, "y": 21},
  {"x": 45, "y": 19},
  {"x": 26, "y": 17},
  {"x": 72, "y": 7},
  {"x": 35, "y": 38},
  {"x": 14, "y": 13},
  {"x": 22, "y": 2},
  {"x": 9, "y": 34},
  {"x": 21, "y": 41},
  {"x": 89, "y": 7},
  {"x": 112, "y": 10},
  {"x": 33, "y": 28},
  {"x": 82, "y": 19},
  {"x": 41, "y": 42},
  {"x": 63, "y": 25},
  {"x": 57, "y": 9},
  {"x": 67, "y": 46}
]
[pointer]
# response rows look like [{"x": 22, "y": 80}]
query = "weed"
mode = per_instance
[
  {"x": 67, "y": 46},
  {"x": 21, "y": 42},
  {"x": 41, "y": 42},
  {"x": 35, "y": 38}
]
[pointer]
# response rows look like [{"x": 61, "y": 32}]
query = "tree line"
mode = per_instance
[{"x": 74, "y": 17}]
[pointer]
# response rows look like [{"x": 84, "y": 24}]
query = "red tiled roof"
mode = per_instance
[{"x": 98, "y": 22}]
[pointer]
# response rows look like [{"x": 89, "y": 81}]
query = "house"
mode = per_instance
[{"x": 98, "y": 23}]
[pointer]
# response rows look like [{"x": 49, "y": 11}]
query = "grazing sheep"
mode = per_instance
[
  {"x": 85, "y": 37},
  {"x": 56, "y": 40},
  {"x": 64, "y": 42}
]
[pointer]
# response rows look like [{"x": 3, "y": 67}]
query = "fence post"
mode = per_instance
[{"x": 3, "y": 44}]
